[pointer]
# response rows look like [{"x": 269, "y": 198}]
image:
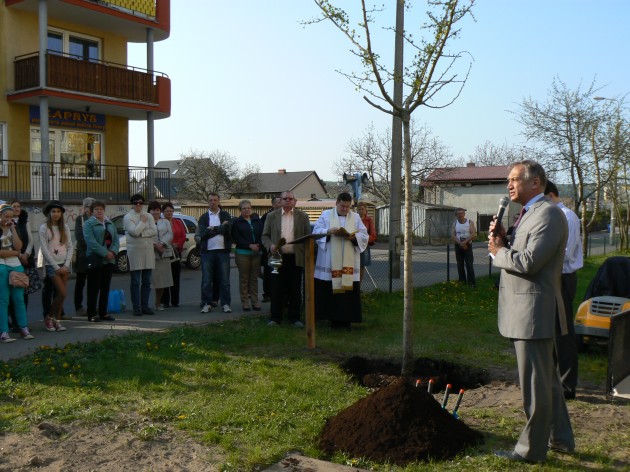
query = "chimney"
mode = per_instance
[
  {"x": 282, "y": 171},
  {"x": 470, "y": 164}
]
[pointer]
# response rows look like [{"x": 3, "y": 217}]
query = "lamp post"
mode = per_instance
[{"x": 613, "y": 182}]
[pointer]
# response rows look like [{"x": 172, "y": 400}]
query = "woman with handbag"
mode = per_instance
[
  {"x": 11, "y": 286},
  {"x": 20, "y": 219},
  {"x": 55, "y": 244},
  {"x": 101, "y": 239},
  {"x": 162, "y": 245},
  {"x": 171, "y": 294}
]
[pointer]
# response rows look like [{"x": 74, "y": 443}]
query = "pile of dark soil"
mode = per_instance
[{"x": 399, "y": 424}]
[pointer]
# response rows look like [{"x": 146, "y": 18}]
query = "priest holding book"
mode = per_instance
[{"x": 337, "y": 269}]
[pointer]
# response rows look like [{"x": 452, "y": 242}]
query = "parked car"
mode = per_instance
[{"x": 190, "y": 254}]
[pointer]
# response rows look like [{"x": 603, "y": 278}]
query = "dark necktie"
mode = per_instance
[{"x": 517, "y": 222}]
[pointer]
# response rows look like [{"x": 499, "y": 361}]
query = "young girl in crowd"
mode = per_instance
[
  {"x": 55, "y": 244},
  {"x": 20, "y": 219},
  {"x": 10, "y": 249}
]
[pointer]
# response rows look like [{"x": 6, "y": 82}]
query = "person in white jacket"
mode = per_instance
[
  {"x": 55, "y": 245},
  {"x": 140, "y": 231},
  {"x": 337, "y": 269}
]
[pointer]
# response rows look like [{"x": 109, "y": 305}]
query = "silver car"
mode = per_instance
[{"x": 190, "y": 254}]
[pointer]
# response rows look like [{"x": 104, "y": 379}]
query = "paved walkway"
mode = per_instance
[{"x": 81, "y": 330}]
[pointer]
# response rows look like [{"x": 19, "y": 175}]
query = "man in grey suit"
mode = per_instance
[
  {"x": 529, "y": 294},
  {"x": 286, "y": 223}
]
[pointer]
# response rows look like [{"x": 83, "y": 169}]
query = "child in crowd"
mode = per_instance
[
  {"x": 10, "y": 249},
  {"x": 55, "y": 243}
]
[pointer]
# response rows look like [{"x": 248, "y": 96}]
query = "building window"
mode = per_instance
[
  {"x": 80, "y": 154},
  {"x": 77, "y": 45},
  {"x": 3, "y": 149}
]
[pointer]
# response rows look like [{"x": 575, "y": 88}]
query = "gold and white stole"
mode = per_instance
[{"x": 342, "y": 254}]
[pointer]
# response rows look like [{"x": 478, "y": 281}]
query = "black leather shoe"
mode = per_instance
[
  {"x": 513, "y": 456},
  {"x": 569, "y": 395},
  {"x": 561, "y": 448},
  {"x": 148, "y": 311}
]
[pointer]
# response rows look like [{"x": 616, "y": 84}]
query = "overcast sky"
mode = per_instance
[{"x": 249, "y": 79}]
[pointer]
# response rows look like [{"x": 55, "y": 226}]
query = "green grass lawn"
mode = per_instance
[{"x": 257, "y": 392}]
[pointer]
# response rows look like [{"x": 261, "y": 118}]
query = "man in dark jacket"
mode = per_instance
[
  {"x": 276, "y": 202},
  {"x": 213, "y": 238}
]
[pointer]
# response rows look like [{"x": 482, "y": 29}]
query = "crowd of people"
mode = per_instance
[{"x": 154, "y": 243}]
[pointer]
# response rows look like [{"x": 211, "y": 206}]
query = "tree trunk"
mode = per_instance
[{"x": 584, "y": 231}]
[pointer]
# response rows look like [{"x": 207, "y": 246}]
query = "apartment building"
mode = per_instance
[{"x": 69, "y": 94}]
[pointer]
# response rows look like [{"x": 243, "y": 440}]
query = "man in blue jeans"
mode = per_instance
[
  {"x": 213, "y": 238},
  {"x": 463, "y": 232}
]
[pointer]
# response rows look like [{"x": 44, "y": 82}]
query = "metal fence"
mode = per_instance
[
  {"x": 72, "y": 182},
  {"x": 434, "y": 264}
]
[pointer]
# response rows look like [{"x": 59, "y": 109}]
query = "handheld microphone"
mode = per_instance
[{"x": 503, "y": 204}]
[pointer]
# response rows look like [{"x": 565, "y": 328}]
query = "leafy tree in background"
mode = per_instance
[
  {"x": 429, "y": 76},
  {"x": 490, "y": 154},
  {"x": 576, "y": 142},
  {"x": 611, "y": 143},
  {"x": 203, "y": 173},
  {"x": 372, "y": 153}
]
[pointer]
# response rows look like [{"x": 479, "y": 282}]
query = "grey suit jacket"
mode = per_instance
[
  {"x": 529, "y": 290},
  {"x": 272, "y": 232}
]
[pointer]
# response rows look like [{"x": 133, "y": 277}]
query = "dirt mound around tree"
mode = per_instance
[
  {"x": 399, "y": 424},
  {"x": 377, "y": 373}
]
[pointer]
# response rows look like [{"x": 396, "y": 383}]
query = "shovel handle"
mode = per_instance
[
  {"x": 459, "y": 400},
  {"x": 447, "y": 392}
]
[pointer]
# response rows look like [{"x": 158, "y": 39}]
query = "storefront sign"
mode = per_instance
[{"x": 58, "y": 118}]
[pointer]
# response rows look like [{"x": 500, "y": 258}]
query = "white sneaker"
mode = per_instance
[
  {"x": 59, "y": 326},
  {"x": 227, "y": 309},
  {"x": 26, "y": 334},
  {"x": 159, "y": 308},
  {"x": 206, "y": 308},
  {"x": 5, "y": 338},
  {"x": 298, "y": 324},
  {"x": 272, "y": 323}
]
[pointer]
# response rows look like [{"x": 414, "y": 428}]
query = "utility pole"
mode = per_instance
[{"x": 397, "y": 139}]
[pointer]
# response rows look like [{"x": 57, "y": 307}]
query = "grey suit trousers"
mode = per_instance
[{"x": 543, "y": 400}]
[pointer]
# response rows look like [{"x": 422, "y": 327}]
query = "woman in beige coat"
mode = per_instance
[{"x": 140, "y": 231}]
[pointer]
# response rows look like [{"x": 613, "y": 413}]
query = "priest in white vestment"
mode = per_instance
[{"x": 337, "y": 269}]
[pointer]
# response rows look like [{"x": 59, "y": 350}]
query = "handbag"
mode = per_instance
[
  {"x": 18, "y": 279},
  {"x": 94, "y": 261},
  {"x": 35, "y": 281}
]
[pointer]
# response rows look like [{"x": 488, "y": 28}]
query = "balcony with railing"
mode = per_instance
[
  {"x": 36, "y": 181},
  {"x": 110, "y": 88},
  {"x": 129, "y": 18}
]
